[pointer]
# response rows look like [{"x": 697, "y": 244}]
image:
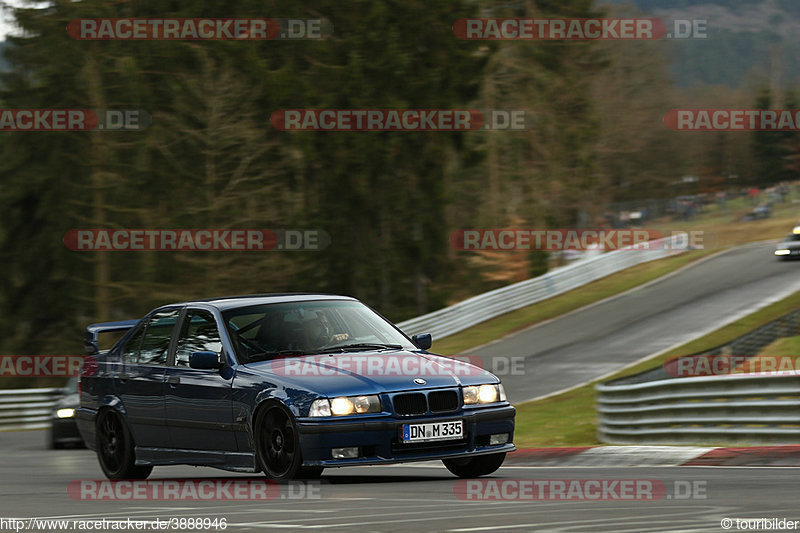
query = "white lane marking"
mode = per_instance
[
  {"x": 693, "y": 514},
  {"x": 268, "y": 524},
  {"x": 500, "y": 513},
  {"x": 161, "y": 508},
  {"x": 670, "y": 527},
  {"x": 438, "y": 509},
  {"x": 506, "y": 468},
  {"x": 107, "y": 515},
  {"x": 667, "y": 467},
  {"x": 639, "y": 455}
]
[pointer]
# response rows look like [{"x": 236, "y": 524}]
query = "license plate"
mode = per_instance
[{"x": 435, "y": 431}]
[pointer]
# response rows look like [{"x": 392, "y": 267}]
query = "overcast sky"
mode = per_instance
[{"x": 6, "y": 20}]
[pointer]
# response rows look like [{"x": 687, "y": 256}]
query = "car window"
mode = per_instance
[
  {"x": 199, "y": 333},
  {"x": 130, "y": 353},
  {"x": 157, "y": 335},
  {"x": 249, "y": 324}
]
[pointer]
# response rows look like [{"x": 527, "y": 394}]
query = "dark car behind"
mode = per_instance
[{"x": 63, "y": 430}]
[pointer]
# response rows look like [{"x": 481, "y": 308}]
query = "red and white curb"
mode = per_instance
[{"x": 615, "y": 456}]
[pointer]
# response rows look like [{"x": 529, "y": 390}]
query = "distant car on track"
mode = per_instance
[
  {"x": 63, "y": 430},
  {"x": 789, "y": 247},
  {"x": 758, "y": 213},
  {"x": 288, "y": 385}
]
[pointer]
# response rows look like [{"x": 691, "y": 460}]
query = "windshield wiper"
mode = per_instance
[{"x": 362, "y": 346}]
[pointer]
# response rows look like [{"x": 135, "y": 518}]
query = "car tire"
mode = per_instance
[
  {"x": 115, "y": 448},
  {"x": 469, "y": 467},
  {"x": 278, "y": 444}
]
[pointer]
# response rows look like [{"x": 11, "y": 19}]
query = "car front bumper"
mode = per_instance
[
  {"x": 378, "y": 439},
  {"x": 65, "y": 431}
]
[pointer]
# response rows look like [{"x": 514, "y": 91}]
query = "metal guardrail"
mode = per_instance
[
  {"x": 494, "y": 303},
  {"x": 654, "y": 407},
  {"x": 759, "y": 408},
  {"x": 26, "y": 408}
]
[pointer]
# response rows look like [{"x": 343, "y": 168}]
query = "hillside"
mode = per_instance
[{"x": 746, "y": 38}]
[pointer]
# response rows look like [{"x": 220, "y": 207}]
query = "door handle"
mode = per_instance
[
  {"x": 124, "y": 377},
  {"x": 173, "y": 380}
]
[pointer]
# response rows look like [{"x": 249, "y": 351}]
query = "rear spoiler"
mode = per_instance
[{"x": 94, "y": 330}]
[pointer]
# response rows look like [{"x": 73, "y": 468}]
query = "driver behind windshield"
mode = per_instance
[{"x": 319, "y": 333}]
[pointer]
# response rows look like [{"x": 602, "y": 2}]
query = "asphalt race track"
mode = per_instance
[
  {"x": 603, "y": 338},
  {"x": 402, "y": 498},
  {"x": 425, "y": 497}
]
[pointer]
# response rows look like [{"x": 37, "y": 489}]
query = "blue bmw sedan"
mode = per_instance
[{"x": 285, "y": 384}]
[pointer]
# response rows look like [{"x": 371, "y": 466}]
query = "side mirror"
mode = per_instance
[
  {"x": 423, "y": 341},
  {"x": 204, "y": 360},
  {"x": 90, "y": 343}
]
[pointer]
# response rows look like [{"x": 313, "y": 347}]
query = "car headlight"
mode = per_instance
[
  {"x": 345, "y": 405},
  {"x": 782, "y": 252},
  {"x": 484, "y": 394},
  {"x": 65, "y": 413}
]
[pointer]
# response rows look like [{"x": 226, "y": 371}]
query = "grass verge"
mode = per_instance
[{"x": 785, "y": 347}]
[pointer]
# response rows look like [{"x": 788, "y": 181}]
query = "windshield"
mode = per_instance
[
  {"x": 792, "y": 238},
  {"x": 297, "y": 328}
]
